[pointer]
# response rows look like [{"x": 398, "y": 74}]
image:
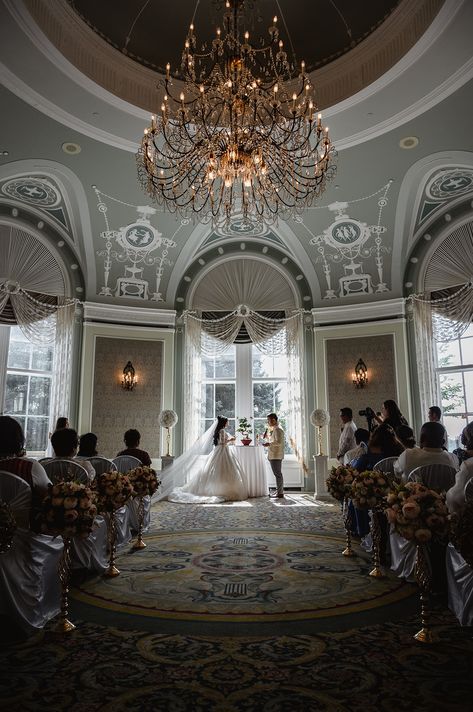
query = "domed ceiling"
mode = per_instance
[{"x": 152, "y": 38}]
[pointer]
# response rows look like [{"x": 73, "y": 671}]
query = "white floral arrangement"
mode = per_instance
[
  {"x": 320, "y": 417},
  {"x": 168, "y": 418}
]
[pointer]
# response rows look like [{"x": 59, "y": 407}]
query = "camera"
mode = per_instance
[{"x": 367, "y": 412}]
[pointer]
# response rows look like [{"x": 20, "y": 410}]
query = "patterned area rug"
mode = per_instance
[
  {"x": 284, "y": 550},
  {"x": 242, "y": 576}
]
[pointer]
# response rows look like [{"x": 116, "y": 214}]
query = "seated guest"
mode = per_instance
[
  {"x": 60, "y": 424},
  {"x": 463, "y": 453},
  {"x": 391, "y": 415},
  {"x": 382, "y": 443},
  {"x": 406, "y": 436},
  {"x": 430, "y": 452},
  {"x": 65, "y": 443},
  {"x": 132, "y": 441},
  {"x": 87, "y": 446},
  {"x": 346, "y": 440},
  {"x": 456, "y": 495},
  {"x": 361, "y": 438},
  {"x": 12, "y": 459},
  {"x": 434, "y": 415}
]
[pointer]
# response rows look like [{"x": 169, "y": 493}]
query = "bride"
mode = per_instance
[{"x": 219, "y": 479}]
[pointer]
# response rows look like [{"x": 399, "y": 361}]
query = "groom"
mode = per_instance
[{"x": 276, "y": 452}]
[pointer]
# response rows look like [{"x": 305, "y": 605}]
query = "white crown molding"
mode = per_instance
[
  {"x": 118, "y": 314},
  {"x": 373, "y": 311}
]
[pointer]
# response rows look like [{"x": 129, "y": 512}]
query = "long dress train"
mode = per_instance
[{"x": 220, "y": 479}]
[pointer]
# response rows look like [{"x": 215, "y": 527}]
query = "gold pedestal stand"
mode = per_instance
[
  {"x": 422, "y": 572},
  {"x": 64, "y": 625},
  {"x": 377, "y": 571},
  {"x": 112, "y": 570},
  {"x": 139, "y": 543},
  {"x": 347, "y": 522}
]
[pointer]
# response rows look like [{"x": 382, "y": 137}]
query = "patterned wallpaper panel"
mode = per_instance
[
  {"x": 114, "y": 409},
  {"x": 342, "y": 356}
]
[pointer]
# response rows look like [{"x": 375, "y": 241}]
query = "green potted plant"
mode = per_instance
[{"x": 244, "y": 427}]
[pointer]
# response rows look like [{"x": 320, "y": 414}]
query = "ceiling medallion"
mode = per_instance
[{"x": 239, "y": 134}]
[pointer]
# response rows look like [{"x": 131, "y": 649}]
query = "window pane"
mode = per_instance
[
  {"x": 208, "y": 400},
  {"x": 469, "y": 331},
  {"x": 207, "y": 368},
  {"x": 454, "y": 425},
  {"x": 469, "y": 390},
  {"x": 263, "y": 399},
  {"x": 38, "y": 403},
  {"x": 451, "y": 391},
  {"x": 225, "y": 399},
  {"x": 280, "y": 366},
  {"x": 448, "y": 354},
  {"x": 259, "y": 427},
  {"x": 16, "y": 394},
  {"x": 207, "y": 424},
  {"x": 225, "y": 365},
  {"x": 42, "y": 358},
  {"x": 19, "y": 354},
  {"x": 280, "y": 398},
  {"x": 467, "y": 351},
  {"x": 262, "y": 365},
  {"x": 37, "y": 433}
]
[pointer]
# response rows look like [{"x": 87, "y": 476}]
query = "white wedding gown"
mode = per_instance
[{"x": 219, "y": 480}]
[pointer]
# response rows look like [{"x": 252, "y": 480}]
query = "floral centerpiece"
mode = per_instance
[
  {"x": 168, "y": 419},
  {"x": 68, "y": 510},
  {"x": 114, "y": 489},
  {"x": 369, "y": 490},
  {"x": 144, "y": 481},
  {"x": 339, "y": 482},
  {"x": 417, "y": 513},
  {"x": 244, "y": 427},
  {"x": 7, "y": 527}
]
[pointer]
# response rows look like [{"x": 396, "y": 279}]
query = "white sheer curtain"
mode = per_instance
[
  {"x": 426, "y": 355},
  {"x": 295, "y": 382},
  {"x": 192, "y": 382},
  {"x": 61, "y": 381}
]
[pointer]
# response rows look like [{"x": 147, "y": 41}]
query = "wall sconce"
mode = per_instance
[
  {"x": 360, "y": 376},
  {"x": 129, "y": 379}
]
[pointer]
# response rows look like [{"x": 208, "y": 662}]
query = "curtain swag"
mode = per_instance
[
  {"x": 271, "y": 335},
  {"x": 450, "y": 315},
  {"x": 35, "y": 317}
]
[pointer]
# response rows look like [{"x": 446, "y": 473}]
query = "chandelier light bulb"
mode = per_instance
[{"x": 238, "y": 136}]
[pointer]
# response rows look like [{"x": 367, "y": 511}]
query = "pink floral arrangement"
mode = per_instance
[
  {"x": 417, "y": 513},
  {"x": 369, "y": 489},
  {"x": 339, "y": 482},
  {"x": 144, "y": 481},
  {"x": 114, "y": 489},
  {"x": 68, "y": 510}
]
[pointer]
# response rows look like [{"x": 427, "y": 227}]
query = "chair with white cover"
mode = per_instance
[
  {"x": 460, "y": 576},
  {"x": 132, "y": 506},
  {"x": 102, "y": 464},
  {"x": 125, "y": 463},
  {"x": 60, "y": 470},
  {"x": 30, "y": 592},
  {"x": 437, "y": 477},
  {"x": 386, "y": 466}
]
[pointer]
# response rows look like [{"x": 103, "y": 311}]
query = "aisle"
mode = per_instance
[{"x": 122, "y": 657}]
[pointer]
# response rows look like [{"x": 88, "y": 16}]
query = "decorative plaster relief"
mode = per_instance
[
  {"x": 346, "y": 242},
  {"x": 135, "y": 243},
  {"x": 41, "y": 193},
  {"x": 443, "y": 186}
]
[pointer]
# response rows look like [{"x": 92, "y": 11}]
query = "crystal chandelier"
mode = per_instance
[{"x": 238, "y": 134}]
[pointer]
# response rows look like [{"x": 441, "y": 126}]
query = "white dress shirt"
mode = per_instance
[
  {"x": 419, "y": 456},
  {"x": 347, "y": 439},
  {"x": 276, "y": 444}
]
